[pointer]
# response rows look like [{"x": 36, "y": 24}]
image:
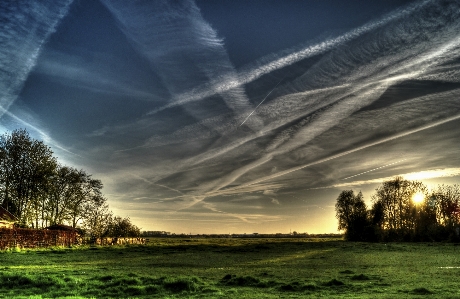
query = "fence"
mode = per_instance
[
  {"x": 36, "y": 238},
  {"x": 32, "y": 238}
]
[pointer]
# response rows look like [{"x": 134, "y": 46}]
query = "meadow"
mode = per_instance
[{"x": 234, "y": 268}]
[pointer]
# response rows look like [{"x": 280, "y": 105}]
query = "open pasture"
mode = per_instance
[{"x": 235, "y": 268}]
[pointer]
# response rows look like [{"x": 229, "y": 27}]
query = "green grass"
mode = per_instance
[{"x": 234, "y": 268}]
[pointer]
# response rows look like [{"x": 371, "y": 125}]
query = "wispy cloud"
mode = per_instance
[
  {"x": 25, "y": 28},
  {"x": 276, "y": 62},
  {"x": 400, "y": 135},
  {"x": 95, "y": 75},
  {"x": 183, "y": 48},
  {"x": 374, "y": 169},
  {"x": 412, "y": 176},
  {"x": 25, "y": 120},
  {"x": 328, "y": 101},
  {"x": 275, "y": 201},
  {"x": 371, "y": 76}
]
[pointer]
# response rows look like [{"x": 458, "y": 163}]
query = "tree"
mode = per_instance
[
  {"x": 25, "y": 167},
  {"x": 90, "y": 194},
  {"x": 62, "y": 191},
  {"x": 122, "y": 227},
  {"x": 352, "y": 215},
  {"x": 98, "y": 219},
  {"x": 40, "y": 192},
  {"x": 445, "y": 200},
  {"x": 394, "y": 200}
]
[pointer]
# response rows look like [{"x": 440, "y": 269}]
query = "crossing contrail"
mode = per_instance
[
  {"x": 261, "y": 102},
  {"x": 287, "y": 171}
]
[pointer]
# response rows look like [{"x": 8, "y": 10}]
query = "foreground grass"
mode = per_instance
[{"x": 234, "y": 268}]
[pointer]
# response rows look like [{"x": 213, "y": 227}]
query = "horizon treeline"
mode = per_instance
[
  {"x": 402, "y": 210},
  {"x": 41, "y": 192}
]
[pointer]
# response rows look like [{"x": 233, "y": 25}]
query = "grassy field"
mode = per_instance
[{"x": 235, "y": 268}]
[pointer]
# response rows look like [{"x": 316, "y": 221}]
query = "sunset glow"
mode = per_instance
[{"x": 418, "y": 198}]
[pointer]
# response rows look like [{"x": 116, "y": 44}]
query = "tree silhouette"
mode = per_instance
[
  {"x": 40, "y": 192},
  {"x": 396, "y": 215},
  {"x": 352, "y": 215},
  {"x": 395, "y": 199}
]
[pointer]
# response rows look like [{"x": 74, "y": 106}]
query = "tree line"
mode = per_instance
[
  {"x": 401, "y": 210},
  {"x": 41, "y": 192}
]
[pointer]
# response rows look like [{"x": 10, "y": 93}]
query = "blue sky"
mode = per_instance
[{"x": 236, "y": 116}]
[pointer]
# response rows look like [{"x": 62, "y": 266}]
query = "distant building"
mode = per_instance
[{"x": 7, "y": 220}]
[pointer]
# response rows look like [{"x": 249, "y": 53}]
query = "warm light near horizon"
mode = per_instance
[{"x": 418, "y": 198}]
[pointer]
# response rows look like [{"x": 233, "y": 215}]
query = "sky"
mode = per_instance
[{"x": 236, "y": 116}]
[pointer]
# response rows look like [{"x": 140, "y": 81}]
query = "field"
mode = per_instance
[{"x": 235, "y": 268}]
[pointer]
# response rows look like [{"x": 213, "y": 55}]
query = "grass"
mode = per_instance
[{"x": 234, "y": 268}]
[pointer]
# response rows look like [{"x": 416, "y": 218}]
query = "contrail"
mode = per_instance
[
  {"x": 25, "y": 27},
  {"x": 397, "y": 136},
  {"x": 252, "y": 73},
  {"x": 182, "y": 47},
  {"x": 261, "y": 102},
  {"x": 43, "y": 135},
  {"x": 411, "y": 176},
  {"x": 152, "y": 183},
  {"x": 374, "y": 169}
]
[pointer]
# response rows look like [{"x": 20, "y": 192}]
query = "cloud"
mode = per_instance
[
  {"x": 275, "y": 62},
  {"x": 412, "y": 176},
  {"x": 27, "y": 120},
  {"x": 374, "y": 169},
  {"x": 102, "y": 74},
  {"x": 327, "y": 102},
  {"x": 282, "y": 173},
  {"x": 183, "y": 160},
  {"x": 183, "y": 48},
  {"x": 269, "y": 192},
  {"x": 275, "y": 201},
  {"x": 371, "y": 74},
  {"x": 25, "y": 28}
]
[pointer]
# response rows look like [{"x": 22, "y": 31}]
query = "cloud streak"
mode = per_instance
[
  {"x": 182, "y": 47},
  {"x": 283, "y": 173},
  {"x": 412, "y": 176},
  {"x": 413, "y": 61},
  {"x": 271, "y": 64},
  {"x": 26, "y": 25},
  {"x": 354, "y": 73}
]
